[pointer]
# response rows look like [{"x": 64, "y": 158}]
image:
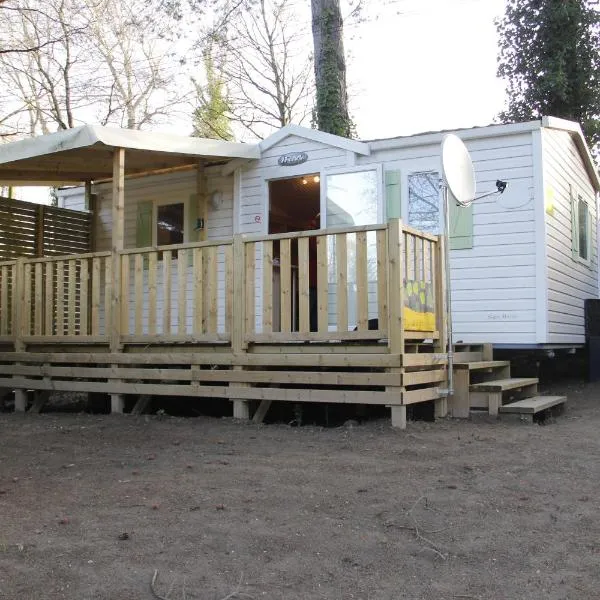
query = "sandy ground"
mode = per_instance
[{"x": 469, "y": 510}]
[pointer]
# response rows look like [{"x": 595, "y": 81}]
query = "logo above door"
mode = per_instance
[{"x": 292, "y": 158}]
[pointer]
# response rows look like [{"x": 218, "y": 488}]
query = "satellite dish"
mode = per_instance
[{"x": 457, "y": 168}]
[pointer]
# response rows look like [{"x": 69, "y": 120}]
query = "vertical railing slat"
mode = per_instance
[
  {"x": 38, "y": 293},
  {"x": 108, "y": 295},
  {"x": 95, "y": 324},
  {"x": 27, "y": 301},
  {"x": 152, "y": 275},
  {"x": 341, "y": 263},
  {"x": 4, "y": 307},
  {"x": 72, "y": 296},
  {"x": 60, "y": 298},
  {"x": 382, "y": 306},
  {"x": 182, "y": 263},
  {"x": 322, "y": 285},
  {"x": 138, "y": 294},
  {"x": 285, "y": 271},
  {"x": 250, "y": 312},
  {"x": 84, "y": 284},
  {"x": 362, "y": 283},
  {"x": 167, "y": 258},
  {"x": 211, "y": 291},
  {"x": 198, "y": 290},
  {"x": 125, "y": 260},
  {"x": 228, "y": 288},
  {"x": 304, "y": 284},
  {"x": 267, "y": 320}
]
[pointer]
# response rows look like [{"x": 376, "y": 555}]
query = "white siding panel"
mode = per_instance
[
  {"x": 569, "y": 281},
  {"x": 493, "y": 283}
]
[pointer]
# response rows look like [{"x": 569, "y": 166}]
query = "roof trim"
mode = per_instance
[
  {"x": 316, "y": 136},
  {"x": 576, "y": 132},
  {"x": 97, "y": 135},
  {"x": 467, "y": 133}
]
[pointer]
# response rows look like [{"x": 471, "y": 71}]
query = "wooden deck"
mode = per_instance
[{"x": 231, "y": 319}]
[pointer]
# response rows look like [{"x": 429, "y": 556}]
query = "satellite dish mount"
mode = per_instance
[{"x": 458, "y": 185}]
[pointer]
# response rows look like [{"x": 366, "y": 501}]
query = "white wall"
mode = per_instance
[
  {"x": 569, "y": 282},
  {"x": 493, "y": 283}
]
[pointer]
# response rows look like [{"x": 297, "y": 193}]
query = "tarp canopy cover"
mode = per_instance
[{"x": 86, "y": 154}]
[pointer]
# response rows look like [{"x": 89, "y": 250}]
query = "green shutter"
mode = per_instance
[
  {"x": 461, "y": 225},
  {"x": 574, "y": 224},
  {"x": 393, "y": 194},
  {"x": 193, "y": 234},
  {"x": 143, "y": 225},
  {"x": 590, "y": 245}
]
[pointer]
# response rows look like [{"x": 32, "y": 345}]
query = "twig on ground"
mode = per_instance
[
  {"x": 152, "y": 589},
  {"x": 415, "y": 528},
  {"x": 235, "y": 594}
]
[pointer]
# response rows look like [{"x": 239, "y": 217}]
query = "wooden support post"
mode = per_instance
[
  {"x": 91, "y": 202},
  {"x": 399, "y": 417},
  {"x": 261, "y": 411},
  {"x": 241, "y": 408},
  {"x": 460, "y": 403},
  {"x": 395, "y": 302},
  {"x": 118, "y": 234},
  {"x": 117, "y": 404},
  {"x": 19, "y": 309},
  {"x": 494, "y": 403},
  {"x": 39, "y": 231},
  {"x": 201, "y": 200},
  {"x": 439, "y": 275}
]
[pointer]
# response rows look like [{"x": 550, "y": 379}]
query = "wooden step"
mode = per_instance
[
  {"x": 503, "y": 385},
  {"x": 533, "y": 405},
  {"x": 482, "y": 364}
]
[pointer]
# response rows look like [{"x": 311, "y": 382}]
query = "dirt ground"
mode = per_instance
[{"x": 445, "y": 510}]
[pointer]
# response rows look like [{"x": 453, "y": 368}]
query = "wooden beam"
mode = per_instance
[
  {"x": 118, "y": 235},
  {"x": 201, "y": 200}
]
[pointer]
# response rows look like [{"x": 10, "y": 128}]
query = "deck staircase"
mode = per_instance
[{"x": 484, "y": 384}]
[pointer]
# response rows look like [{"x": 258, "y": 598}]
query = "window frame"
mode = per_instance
[{"x": 167, "y": 202}]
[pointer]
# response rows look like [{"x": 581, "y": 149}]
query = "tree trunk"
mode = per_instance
[{"x": 330, "y": 68}]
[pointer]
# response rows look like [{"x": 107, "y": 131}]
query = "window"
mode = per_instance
[
  {"x": 164, "y": 222},
  {"x": 424, "y": 201},
  {"x": 581, "y": 228},
  {"x": 170, "y": 224},
  {"x": 352, "y": 199}
]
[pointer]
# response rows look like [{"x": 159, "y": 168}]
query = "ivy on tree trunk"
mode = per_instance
[{"x": 331, "y": 111}]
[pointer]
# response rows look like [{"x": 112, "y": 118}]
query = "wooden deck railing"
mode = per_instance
[
  {"x": 356, "y": 283},
  {"x": 177, "y": 293},
  {"x": 7, "y": 299}
]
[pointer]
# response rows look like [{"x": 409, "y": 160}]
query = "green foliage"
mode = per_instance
[
  {"x": 549, "y": 55},
  {"x": 211, "y": 117},
  {"x": 331, "y": 111}
]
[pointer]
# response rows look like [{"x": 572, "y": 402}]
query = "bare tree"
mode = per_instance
[
  {"x": 106, "y": 62},
  {"x": 267, "y": 66}
]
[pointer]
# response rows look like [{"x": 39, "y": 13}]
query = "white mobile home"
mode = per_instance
[{"x": 522, "y": 262}]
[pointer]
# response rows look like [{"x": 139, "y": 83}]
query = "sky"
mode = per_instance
[
  {"x": 424, "y": 65},
  {"x": 413, "y": 66}
]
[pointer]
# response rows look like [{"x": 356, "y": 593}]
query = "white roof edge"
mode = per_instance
[
  {"x": 316, "y": 136},
  {"x": 90, "y": 135},
  {"x": 422, "y": 139},
  {"x": 575, "y": 129}
]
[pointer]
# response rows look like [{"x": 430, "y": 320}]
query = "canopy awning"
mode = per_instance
[{"x": 86, "y": 154}]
